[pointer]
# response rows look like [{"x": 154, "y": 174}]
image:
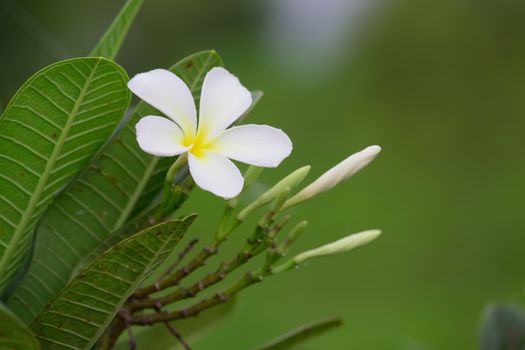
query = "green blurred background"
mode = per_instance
[{"x": 438, "y": 84}]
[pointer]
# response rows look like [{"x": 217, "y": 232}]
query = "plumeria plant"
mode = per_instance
[{"x": 90, "y": 199}]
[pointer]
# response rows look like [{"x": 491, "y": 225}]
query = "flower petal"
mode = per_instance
[
  {"x": 160, "y": 136},
  {"x": 216, "y": 173},
  {"x": 259, "y": 145},
  {"x": 169, "y": 94},
  {"x": 223, "y": 100}
]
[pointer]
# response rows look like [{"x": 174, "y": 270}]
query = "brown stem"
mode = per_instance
[
  {"x": 194, "y": 310},
  {"x": 198, "y": 261},
  {"x": 126, "y": 316},
  {"x": 182, "y": 272},
  {"x": 177, "y": 335},
  {"x": 181, "y": 256},
  {"x": 254, "y": 246},
  {"x": 112, "y": 332},
  {"x": 193, "y": 290},
  {"x": 262, "y": 237}
]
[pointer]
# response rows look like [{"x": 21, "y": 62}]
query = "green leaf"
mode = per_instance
[
  {"x": 503, "y": 327},
  {"x": 76, "y": 318},
  {"x": 122, "y": 182},
  {"x": 14, "y": 334},
  {"x": 109, "y": 45},
  {"x": 301, "y": 334},
  {"x": 50, "y": 131},
  {"x": 191, "y": 329}
]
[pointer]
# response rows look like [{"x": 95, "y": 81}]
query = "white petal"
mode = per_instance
[
  {"x": 260, "y": 145},
  {"x": 223, "y": 100},
  {"x": 216, "y": 173},
  {"x": 169, "y": 94},
  {"x": 160, "y": 136}
]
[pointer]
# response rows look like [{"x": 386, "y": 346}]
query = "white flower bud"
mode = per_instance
[
  {"x": 335, "y": 175},
  {"x": 344, "y": 244}
]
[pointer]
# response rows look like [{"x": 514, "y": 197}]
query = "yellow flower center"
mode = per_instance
[{"x": 198, "y": 144}]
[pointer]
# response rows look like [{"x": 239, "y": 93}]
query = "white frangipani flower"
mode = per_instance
[
  {"x": 208, "y": 141},
  {"x": 339, "y": 173}
]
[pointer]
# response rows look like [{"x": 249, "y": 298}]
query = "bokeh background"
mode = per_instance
[{"x": 440, "y": 85}]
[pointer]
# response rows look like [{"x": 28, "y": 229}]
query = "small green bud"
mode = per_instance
[
  {"x": 296, "y": 232},
  {"x": 290, "y": 181},
  {"x": 274, "y": 207},
  {"x": 280, "y": 199}
]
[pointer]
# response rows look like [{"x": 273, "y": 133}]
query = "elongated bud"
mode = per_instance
[
  {"x": 279, "y": 200},
  {"x": 339, "y": 246},
  {"x": 335, "y": 175},
  {"x": 342, "y": 245},
  {"x": 296, "y": 232},
  {"x": 274, "y": 207},
  {"x": 290, "y": 181}
]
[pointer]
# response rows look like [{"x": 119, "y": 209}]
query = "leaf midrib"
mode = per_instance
[
  {"x": 33, "y": 202},
  {"x": 136, "y": 195}
]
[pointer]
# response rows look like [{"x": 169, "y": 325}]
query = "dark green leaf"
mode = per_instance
[
  {"x": 109, "y": 45},
  {"x": 503, "y": 328},
  {"x": 301, "y": 334},
  {"x": 14, "y": 334},
  {"x": 121, "y": 182},
  {"x": 76, "y": 318},
  {"x": 49, "y": 132}
]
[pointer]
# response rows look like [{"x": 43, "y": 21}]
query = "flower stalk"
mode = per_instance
[
  {"x": 262, "y": 239},
  {"x": 276, "y": 253},
  {"x": 194, "y": 310},
  {"x": 173, "y": 193}
]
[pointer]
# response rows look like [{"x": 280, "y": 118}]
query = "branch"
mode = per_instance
[
  {"x": 260, "y": 240},
  {"x": 218, "y": 298}
]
